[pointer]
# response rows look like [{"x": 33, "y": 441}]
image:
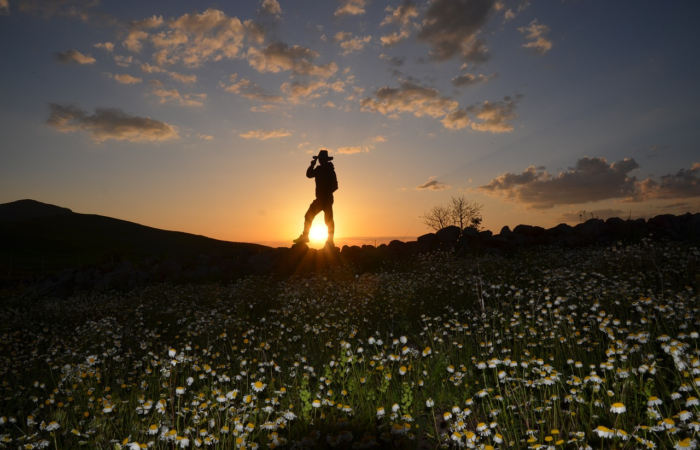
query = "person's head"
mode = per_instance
[{"x": 323, "y": 157}]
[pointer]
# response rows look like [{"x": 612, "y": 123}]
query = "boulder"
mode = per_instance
[
  {"x": 470, "y": 232},
  {"x": 505, "y": 232},
  {"x": 429, "y": 238},
  {"x": 448, "y": 234},
  {"x": 396, "y": 245},
  {"x": 528, "y": 230}
]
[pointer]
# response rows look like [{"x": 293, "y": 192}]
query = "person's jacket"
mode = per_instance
[{"x": 326, "y": 179}]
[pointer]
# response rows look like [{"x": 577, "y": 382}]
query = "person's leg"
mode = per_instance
[
  {"x": 328, "y": 217},
  {"x": 314, "y": 208}
]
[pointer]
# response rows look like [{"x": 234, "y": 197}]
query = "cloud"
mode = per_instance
[
  {"x": 4, "y": 7},
  {"x": 74, "y": 57},
  {"x": 206, "y": 137},
  {"x": 248, "y": 89},
  {"x": 127, "y": 79},
  {"x": 421, "y": 101},
  {"x": 456, "y": 120},
  {"x": 535, "y": 34},
  {"x": 329, "y": 104},
  {"x": 394, "y": 61},
  {"x": 682, "y": 184},
  {"x": 190, "y": 99},
  {"x": 401, "y": 15},
  {"x": 265, "y": 134},
  {"x": 409, "y": 98},
  {"x": 185, "y": 79},
  {"x": 590, "y": 180},
  {"x": 450, "y": 28},
  {"x": 511, "y": 14},
  {"x": 108, "y": 46},
  {"x": 351, "y": 150},
  {"x": 194, "y": 38},
  {"x": 123, "y": 61},
  {"x": 272, "y": 7},
  {"x": 109, "y": 123},
  {"x": 136, "y": 34},
  {"x": 83, "y": 10},
  {"x": 493, "y": 116},
  {"x": 297, "y": 90},
  {"x": 433, "y": 185},
  {"x": 353, "y": 45},
  {"x": 378, "y": 139},
  {"x": 151, "y": 69},
  {"x": 350, "y": 8},
  {"x": 394, "y": 38},
  {"x": 279, "y": 56},
  {"x": 469, "y": 79}
]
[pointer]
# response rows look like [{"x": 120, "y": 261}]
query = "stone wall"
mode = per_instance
[{"x": 301, "y": 259}]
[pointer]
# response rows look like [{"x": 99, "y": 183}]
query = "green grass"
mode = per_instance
[{"x": 529, "y": 352}]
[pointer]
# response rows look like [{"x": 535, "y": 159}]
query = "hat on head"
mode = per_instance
[{"x": 323, "y": 154}]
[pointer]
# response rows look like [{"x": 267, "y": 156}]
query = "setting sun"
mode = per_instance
[{"x": 318, "y": 233}]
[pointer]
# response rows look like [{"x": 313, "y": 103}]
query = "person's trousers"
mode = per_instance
[{"x": 318, "y": 205}]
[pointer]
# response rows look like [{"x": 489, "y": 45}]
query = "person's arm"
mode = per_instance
[{"x": 310, "y": 171}]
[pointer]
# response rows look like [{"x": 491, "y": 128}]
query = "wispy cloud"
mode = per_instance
[
  {"x": 469, "y": 79},
  {"x": 279, "y": 56},
  {"x": 535, "y": 34},
  {"x": 451, "y": 27},
  {"x": 433, "y": 185},
  {"x": 401, "y": 15},
  {"x": 266, "y": 134},
  {"x": 419, "y": 100},
  {"x": 351, "y": 150},
  {"x": 494, "y": 116},
  {"x": 108, "y": 46},
  {"x": 409, "y": 97},
  {"x": 193, "y": 39},
  {"x": 109, "y": 123},
  {"x": 167, "y": 95},
  {"x": 351, "y": 44},
  {"x": 350, "y": 8},
  {"x": 248, "y": 89},
  {"x": 127, "y": 79},
  {"x": 74, "y": 57}
]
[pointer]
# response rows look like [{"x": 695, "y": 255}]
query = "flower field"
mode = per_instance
[{"x": 588, "y": 348}]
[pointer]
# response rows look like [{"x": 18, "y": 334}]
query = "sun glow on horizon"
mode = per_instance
[{"x": 318, "y": 233}]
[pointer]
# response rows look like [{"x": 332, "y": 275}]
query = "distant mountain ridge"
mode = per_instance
[
  {"x": 29, "y": 209},
  {"x": 37, "y": 238}
]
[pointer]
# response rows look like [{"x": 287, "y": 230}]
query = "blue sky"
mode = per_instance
[{"x": 202, "y": 116}]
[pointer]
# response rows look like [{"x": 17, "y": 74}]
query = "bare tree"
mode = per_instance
[
  {"x": 438, "y": 217},
  {"x": 460, "y": 212},
  {"x": 466, "y": 213}
]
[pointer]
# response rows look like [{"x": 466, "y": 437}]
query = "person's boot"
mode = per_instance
[{"x": 302, "y": 239}]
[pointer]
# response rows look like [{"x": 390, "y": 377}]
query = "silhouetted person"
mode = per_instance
[{"x": 326, "y": 185}]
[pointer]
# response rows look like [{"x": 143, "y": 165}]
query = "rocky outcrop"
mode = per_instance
[{"x": 302, "y": 259}]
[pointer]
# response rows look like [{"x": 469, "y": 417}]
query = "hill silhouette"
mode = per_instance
[{"x": 38, "y": 238}]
